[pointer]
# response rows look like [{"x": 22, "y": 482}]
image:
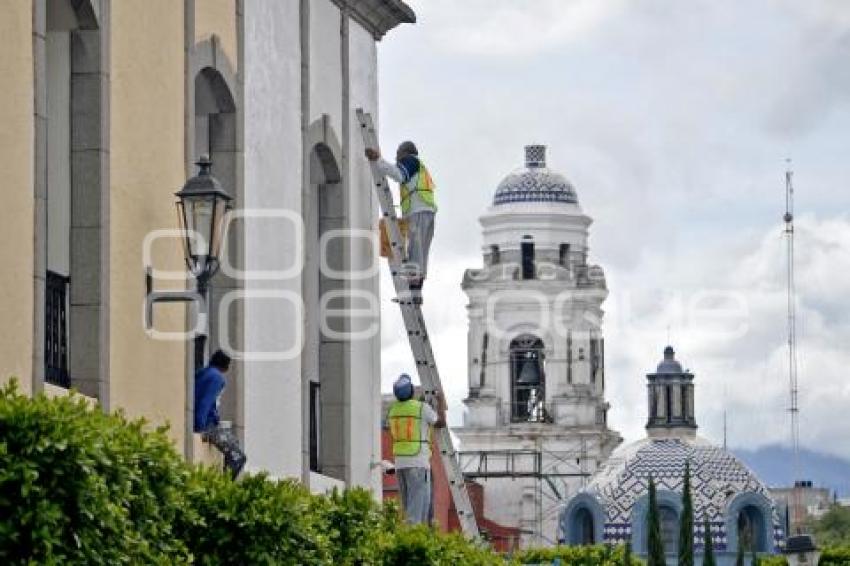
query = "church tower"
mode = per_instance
[{"x": 536, "y": 422}]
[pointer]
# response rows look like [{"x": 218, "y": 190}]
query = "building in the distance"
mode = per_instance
[
  {"x": 535, "y": 426},
  {"x": 809, "y": 500},
  {"x": 613, "y": 508}
]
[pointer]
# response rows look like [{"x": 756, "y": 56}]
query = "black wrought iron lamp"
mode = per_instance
[{"x": 202, "y": 204}]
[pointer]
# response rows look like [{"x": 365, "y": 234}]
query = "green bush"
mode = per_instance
[
  {"x": 423, "y": 545},
  {"x": 357, "y": 527},
  {"x": 772, "y": 560},
  {"x": 835, "y": 556},
  {"x": 577, "y": 555},
  {"x": 830, "y": 556},
  {"x": 78, "y": 486},
  {"x": 252, "y": 521}
]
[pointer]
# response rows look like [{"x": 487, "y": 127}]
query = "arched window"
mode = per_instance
[
  {"x": 324, "y": 363},
  {"x": 528, "y": 379},
  {"x": 669, "y": 528},
  {"x": 214, "y": 130},
  {"x": 751, "y": 529},
  {"x": 582, "y": 532}
]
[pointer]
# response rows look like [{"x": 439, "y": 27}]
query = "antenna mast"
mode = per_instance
[{"x": 792, "y": 329}]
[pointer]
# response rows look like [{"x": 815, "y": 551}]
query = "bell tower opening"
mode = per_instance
[{"x": 528, "y": 381}]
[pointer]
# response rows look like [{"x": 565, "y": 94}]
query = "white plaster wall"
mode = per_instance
[
  {"x": 325, "y": 98},
  {"x": 273, "y": 179},
  {"x": 325, "y": 63},
  {"x": 365, "y": 352},
  {"x": 549, "y": 225},
  {"x": 273, "y": 176}
]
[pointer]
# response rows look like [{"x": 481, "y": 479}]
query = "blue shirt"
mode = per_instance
[{"x": 209, "y": 383}]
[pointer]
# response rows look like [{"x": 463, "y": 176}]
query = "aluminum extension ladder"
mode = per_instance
[{"x": 417, "y": 334}]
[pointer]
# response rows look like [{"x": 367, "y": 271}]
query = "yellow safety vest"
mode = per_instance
[
  {"x": 405, "y": 420},
  {"x": 424, "y": 185}
]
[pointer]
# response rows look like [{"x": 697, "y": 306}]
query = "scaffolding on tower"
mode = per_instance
[{"x": 545, "y": 468}]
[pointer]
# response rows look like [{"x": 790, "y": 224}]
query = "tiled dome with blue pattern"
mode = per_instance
[
  {"x": 716, "y": 477},
  {"x": 535, "y": 182}
]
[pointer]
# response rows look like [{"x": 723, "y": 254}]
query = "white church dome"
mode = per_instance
[{"x": 535, "y": 182}]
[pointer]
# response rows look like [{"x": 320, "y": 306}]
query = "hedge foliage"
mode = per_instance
[
  {"x": 578, "y": 556},
  {"x": 78, "y": 486},
  {"x": 830, "y": 556}
]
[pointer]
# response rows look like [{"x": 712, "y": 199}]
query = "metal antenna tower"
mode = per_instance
[{"x": 792, "y": 327}]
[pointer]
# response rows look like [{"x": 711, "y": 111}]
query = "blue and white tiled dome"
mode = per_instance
[
  {"x": 614, "y": 506},
  {"x": 535, "y": 182},
  {"x": 720, "y": 485}
]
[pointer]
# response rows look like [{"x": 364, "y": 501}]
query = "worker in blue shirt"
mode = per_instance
[{"x": 209, "y": 384}]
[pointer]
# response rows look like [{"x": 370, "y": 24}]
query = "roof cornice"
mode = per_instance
[{"x": 377, "y": 16}]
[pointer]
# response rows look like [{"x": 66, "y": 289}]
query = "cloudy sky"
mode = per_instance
[{"x": 674, "y": 121}]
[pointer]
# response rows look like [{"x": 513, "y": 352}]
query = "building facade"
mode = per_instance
[
  {"x": 107, "y": 106},
  {"x": 613, "y": 508},
  {"x": 802, "y": 502},
  {"x": 536, "y": 421}
]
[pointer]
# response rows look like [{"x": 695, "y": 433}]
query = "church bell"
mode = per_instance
[{"x": 530, "y": 373}]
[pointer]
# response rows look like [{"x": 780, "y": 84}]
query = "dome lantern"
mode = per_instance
[
  {"x": 535, "y": 156},
  {"x": 671, "y": 399}
]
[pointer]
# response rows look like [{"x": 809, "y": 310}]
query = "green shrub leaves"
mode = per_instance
[{"x": 78, "y": 486}]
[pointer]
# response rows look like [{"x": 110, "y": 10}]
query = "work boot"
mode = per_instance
[{"x": 235, "y": 464}]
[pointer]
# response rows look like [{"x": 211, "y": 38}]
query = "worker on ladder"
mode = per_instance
[
  {"x": 410, "y": 422},
  {"x": 418, "y": 208}
]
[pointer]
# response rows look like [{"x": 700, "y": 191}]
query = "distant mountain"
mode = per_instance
[{"x": 773, "y": 464}]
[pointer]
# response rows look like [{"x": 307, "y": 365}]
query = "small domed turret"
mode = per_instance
[
  {"x": 669, "y": 363},
  {"x": 671, "y": 399}
]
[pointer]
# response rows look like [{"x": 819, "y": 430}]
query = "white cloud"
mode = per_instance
[
  {"x": 505, "y": 28},
  {"x": 664, "y": 116},
  {"x": 747, "y": 374}
]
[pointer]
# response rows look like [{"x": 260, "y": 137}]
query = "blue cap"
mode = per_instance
[{"x": 403, "y": 387}]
